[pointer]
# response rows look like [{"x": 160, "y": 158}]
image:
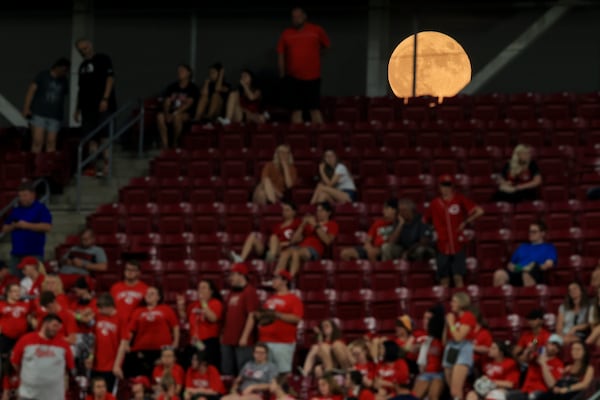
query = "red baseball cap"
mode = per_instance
[
  {"x": 29, "y": 260},
  {"x": 284, "y": 274},
  {"x": 142, "y": 380},
  {"x": 446, "y": 178},
  {"x": 240, "y": 268}
]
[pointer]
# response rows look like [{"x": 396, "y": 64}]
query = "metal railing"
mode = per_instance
[
  {"x": 109, "y": 124},
  {"x": 44, "y": 198}
]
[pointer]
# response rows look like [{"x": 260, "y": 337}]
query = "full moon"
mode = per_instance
[{"x": 443, "y": 67}]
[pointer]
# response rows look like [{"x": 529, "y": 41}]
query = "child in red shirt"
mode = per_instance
[
  {"x": 168, "y": 365},
  {"x": 328, "y": 389},
  {"x": 203, "y": 379},
  {"x": 99, "y": 390}
]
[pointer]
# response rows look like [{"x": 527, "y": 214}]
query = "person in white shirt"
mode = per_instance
[{"x": 336, "y": 185}]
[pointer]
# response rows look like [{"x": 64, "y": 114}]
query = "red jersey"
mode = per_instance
[
  {"x": 467, "y": 318},
  {"x": 312, "y": 240},
  {"x": 368, "y": 369},
  {"x": 69, "y": 324},
  {"x": 13, "y": 318},
  {"x": 77, "y": 308},
  {"x": 176, "y": 371},
  {"x": 211, "y": 379},
  {"x": 483, "y": 337},
  {"x": 280, "y": 331},
  {"x": 534, "y": 381},
  {"x": 434, "y": 357},
  {"x": 446, "y": 216},
  {"x": 200, "y": 327},
  {"x": 380, "y": 231},
  {"x": 109, "y": 330},
  {"x": 302, "y": 50},
  {"x": 529, "y": 337},
  {"x": 107, "y": 396},
  {"x": 284, "y": 233},
  {"x": 505, "y": 370},
  {"x": 394, "y": 372},
  {"x": 152, "y": 327},
  {"x": 128, "y": 297},
  {"x": 239, "y": 305}
]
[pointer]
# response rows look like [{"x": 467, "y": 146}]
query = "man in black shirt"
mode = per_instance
[
  {"x": 96, "y": 99},
  {"x": 179, "y": 102}
]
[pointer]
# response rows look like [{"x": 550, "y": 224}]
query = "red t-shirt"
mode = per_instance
[
  {"x": 128, "y": 298},
  {"x": 176, "y": 371},
  {"x": 239, "y": 306},
  {"x": 446, "y": 216},
  {"x": 76, "y": 307},
  {"x": 200, "y": 327},
  {"x": 528, "y": 337},
  {"x": 534, "y": 380},
  {"x": 211, "y": 379},
  {"x": 109, "y": 330},
  {"x": 411, "y": 355},
  {"x": 434, "y": 357},
  {"x": 108, "y": 396},
  {"x": 505, "y": 370},
  {"x": 368, "y": 369},
  {"x": 13, "y": 318},
  {"x": 280, "y": 331},
  {"x": 36, "y": 287},
  {"x": 395, "y": 372},
  {"x": 152, "y": 328},
  {"x": 69, "y": 324},
  {"x": 483, "y": 337},
  {"x": 11, "y": 382},
  {"x": 467, "y": 318},
  {"x": 284, "y": 233},
  {"x": 380, "y": 231},
  {"x": 302, "y": 50},
  {"x": 312, "y": 240},
  {"x": 366, "y": 394}
]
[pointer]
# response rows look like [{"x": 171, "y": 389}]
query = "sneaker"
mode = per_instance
[
  {"x": 235, "y": 257},
  {"x": 224, "y": 121}
]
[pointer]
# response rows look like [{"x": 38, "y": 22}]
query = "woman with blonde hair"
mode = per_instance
[
  {"x": 277, "y": 177},
  {"x": 520, "y": 177},
  {"x": 54, "y": 284}
]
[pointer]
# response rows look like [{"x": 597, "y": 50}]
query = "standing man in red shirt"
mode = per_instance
[
  {"x": 278, "y": 322},
  {"x": 129, "y": 293},
  {"x": 299, "y": 58},
  {"x": 242, "y": 301},
  {"x": 450, "y": 213}
]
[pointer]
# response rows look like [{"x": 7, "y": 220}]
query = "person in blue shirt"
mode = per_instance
[
  {"x": 529, "y": 261},
  {"x": 28, "y": 224}
]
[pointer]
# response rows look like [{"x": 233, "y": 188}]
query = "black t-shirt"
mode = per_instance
[
  {"x": 524, "y": 177},
  {"x": 178, "y": 95},
  {"x": 49, "y": 98},
  {"x": 92, "y": 82}
]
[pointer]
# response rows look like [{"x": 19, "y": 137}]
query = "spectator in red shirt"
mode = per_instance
[
  {"x": 167, "y": 389},
  {"x": 277, "y": 322},
  {"x": 99, "y": 390},
  {"x": 139, "y": 386},
  {"x": 310, "y": 240},
  {"x": 54, "y": 284},
  {"x": 241, "y": 302},
  {"x": 109, "y": 329},
  {"x": 34, "y": 275},
  {"x": 204, "y": 317},
  {"x": 330, "y": 349},
  {"x": 392, "y": 377},
  {"x": 6, "y": 278},
  {"x": 299, "y": 49},
  {"x": 357, "y": 389},
  {"x": 129, "y": 293},
  {"x": 202, "y": 380},
  {"x": 243, "y": 103},
  {"x": 460, "y": 333},
  {"x": 482, "y": 341},
  {"x": 151, "y": 328},
  {"x": 362, "y": 361},
  {"x": 533, "y": 340},
  {"x": 450, "y": 213},
  {"x": 328, "y": 389},
  {"x": 430, "y": 381},
  {"x": 500, "y": 369},
  {"x": 281, "y": 234},
  {"x": 49, "y": 305},
  {"x": 168, "y": 365},
  {"x": 377, "y": 236}
]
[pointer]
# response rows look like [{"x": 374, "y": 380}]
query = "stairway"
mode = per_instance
[{"x": 66, "y": 220}]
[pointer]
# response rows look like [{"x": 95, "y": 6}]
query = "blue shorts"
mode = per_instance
[
  {"x": 314, "y": 255},
  {"x": 351, "y": 193},
  {"x": 47, "y": 124},
  {"x": 430, "y": 376},
  {"x": 465, "y": 354}
]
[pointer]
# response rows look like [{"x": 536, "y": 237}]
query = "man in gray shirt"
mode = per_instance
[
  {"x": 256, "y": 375},
  {"x": 84, "y": 258}
]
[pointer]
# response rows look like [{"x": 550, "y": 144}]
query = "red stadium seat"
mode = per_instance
[{"x": 351, "y": 304}]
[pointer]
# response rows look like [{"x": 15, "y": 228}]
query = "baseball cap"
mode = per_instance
[
  {"x": 405, "y": 321},
  {"x": 446, "y": 179},
  {"x": 556, "y": 339},
  {"x": 142, "y": 380},
  {"x": 240, "y": 268},
  {"x": 535, "y": 314},
  {"x": 284, "y": 275},
  {"x": 29, "y": 260}
]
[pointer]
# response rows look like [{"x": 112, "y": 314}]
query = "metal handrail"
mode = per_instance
[
  {"x": 44, "y": 199},
  {"x": 108, "y": 144}
]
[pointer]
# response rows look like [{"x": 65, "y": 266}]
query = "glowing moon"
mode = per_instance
[{"x": 443, "y": 66}]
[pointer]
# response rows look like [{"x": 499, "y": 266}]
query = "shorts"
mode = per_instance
[
  {"x": 47, "y": 124},
  {"x": 362, "y": 253},
  {"x": 465, "y": 354},
  {"x": 516, "y": 278},
  {"x": 351, "y": 194},
  {"x": 430, "y": 376},
  {"x": 451, "y": 264},
  {"x": 302, "y": 94},
  {"x": 282, "y": 354},
  {"x": 314, "y": 254}
]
